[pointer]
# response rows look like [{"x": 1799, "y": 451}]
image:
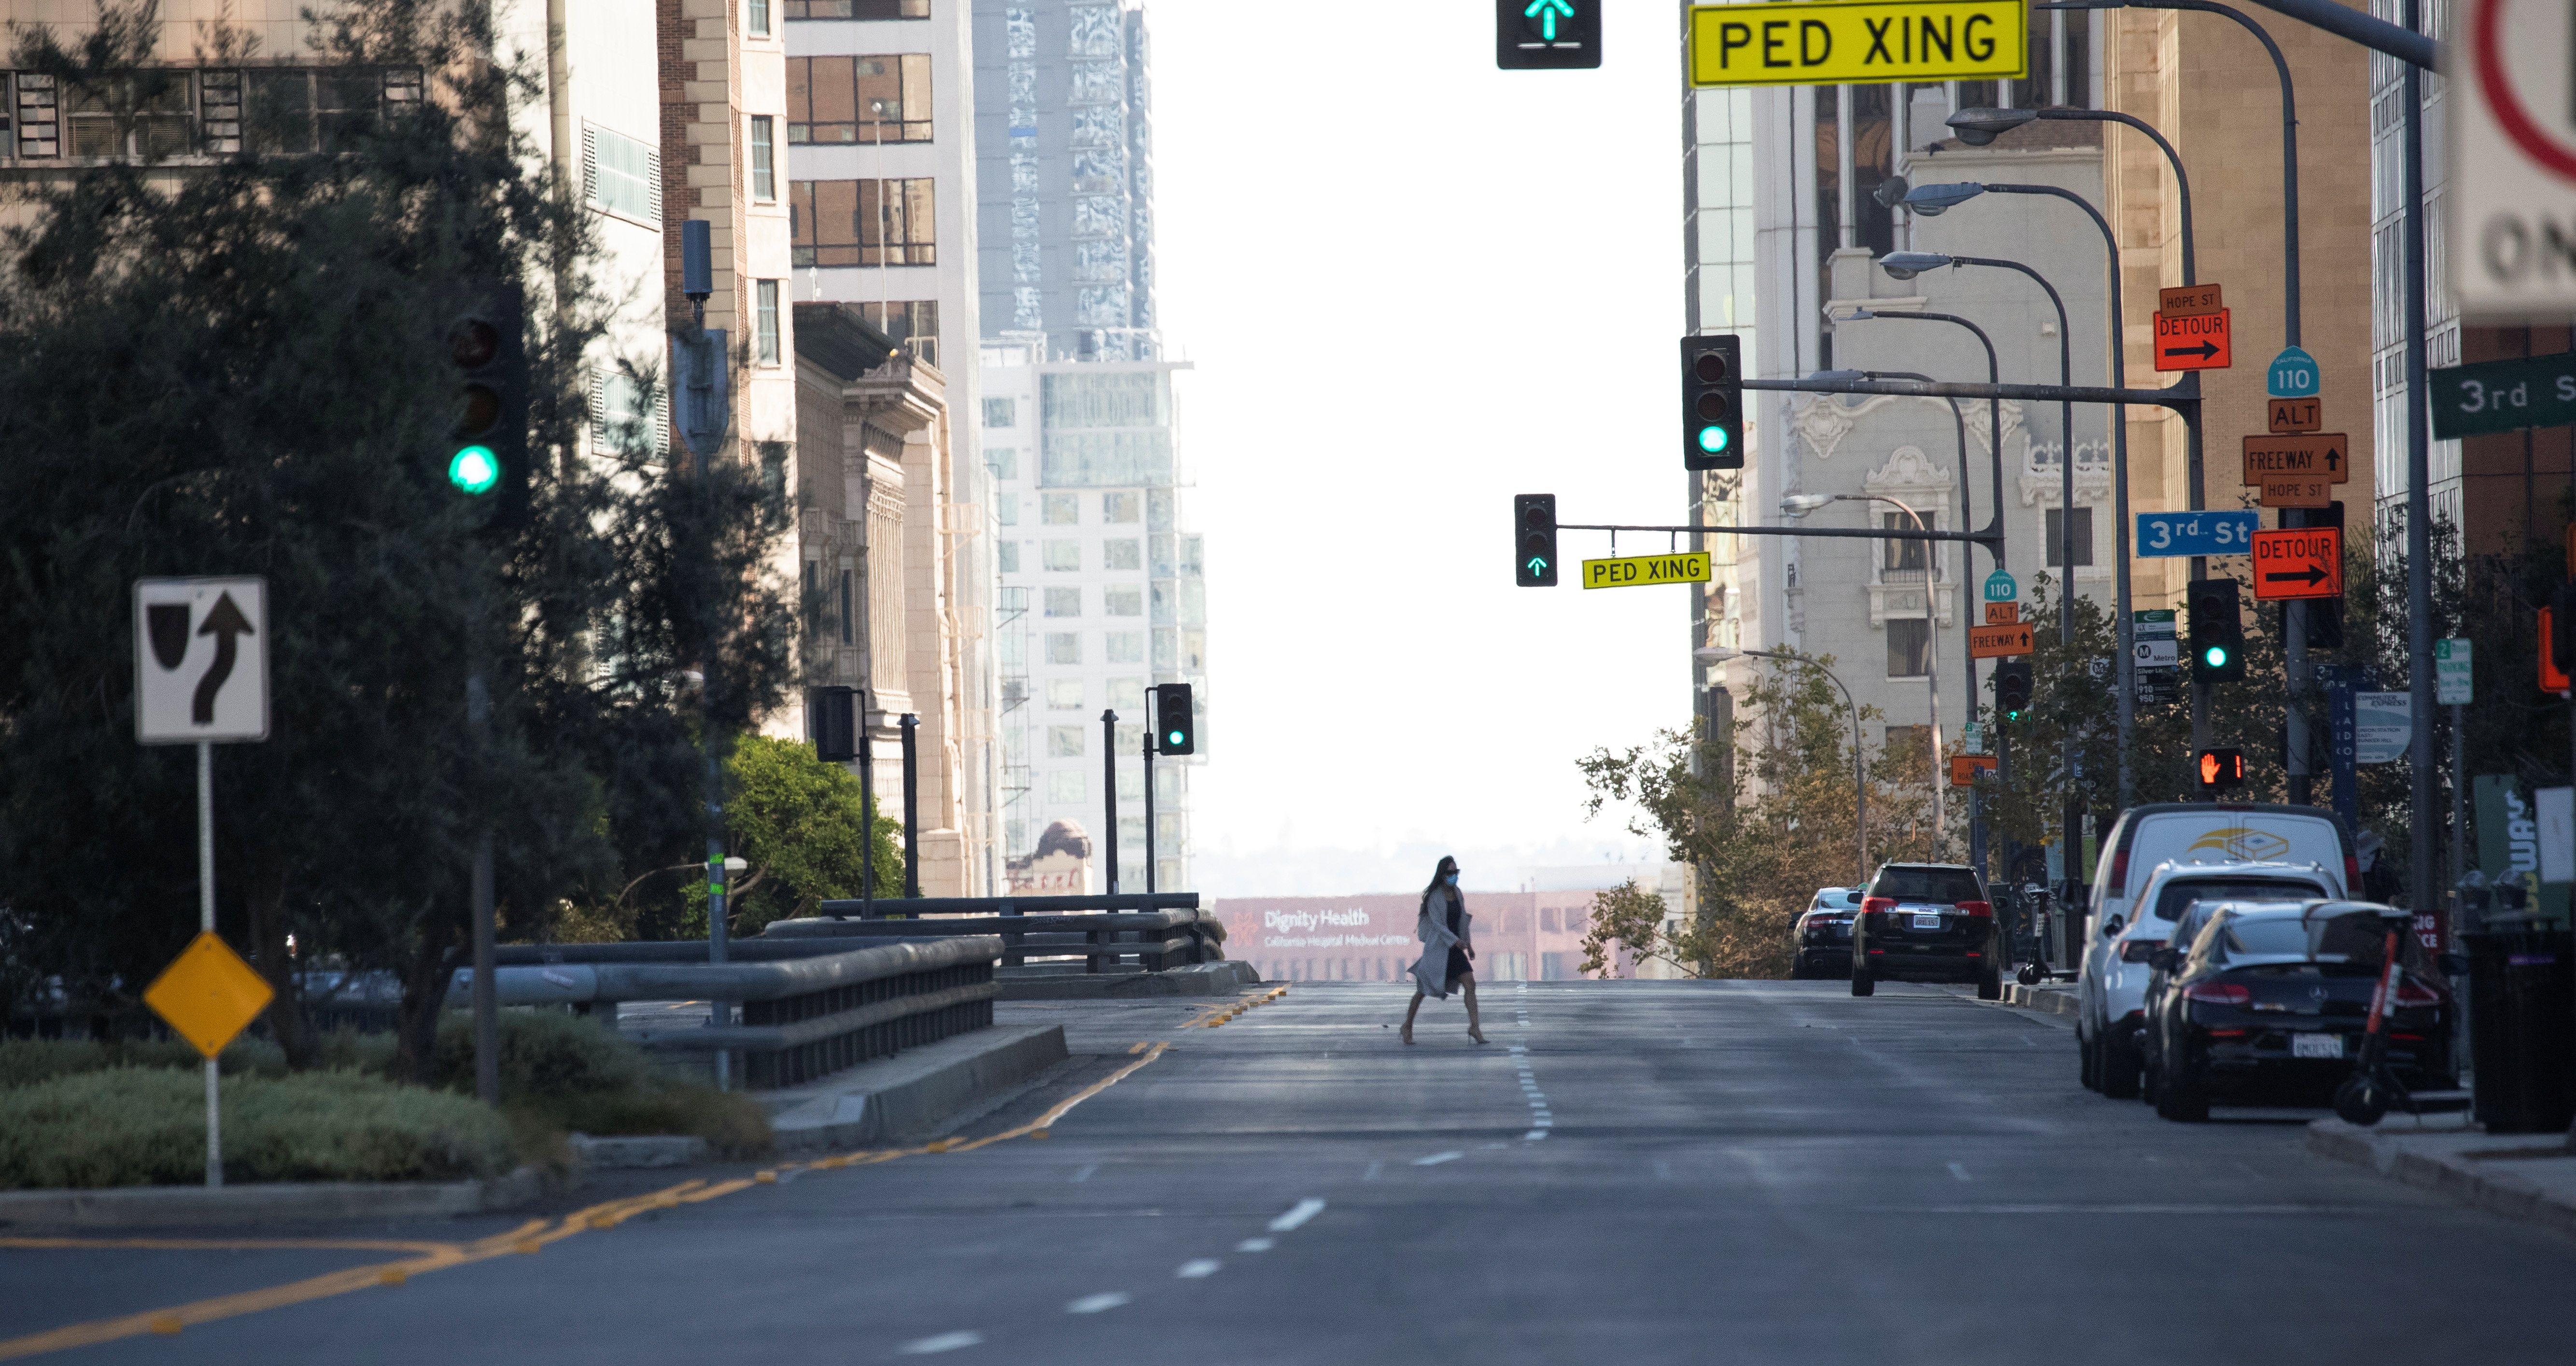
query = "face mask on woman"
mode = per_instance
[{"x": 1452, "y": 879}]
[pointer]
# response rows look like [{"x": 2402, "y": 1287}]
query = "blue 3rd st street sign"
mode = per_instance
[{"x": 2167, "y": 535}]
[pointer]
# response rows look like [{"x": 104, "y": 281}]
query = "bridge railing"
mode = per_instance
[{"x": 1104, "y": 932}]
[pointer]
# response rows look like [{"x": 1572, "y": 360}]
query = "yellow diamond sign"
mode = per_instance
[{"x": 208, "y": 993}]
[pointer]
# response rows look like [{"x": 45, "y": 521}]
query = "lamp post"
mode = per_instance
[
  {"x": 1939, "y": 198},
  {"x": 1860, "y": 773},
  {"x": 1905, "y": 265},
  {"x": 1799, "y": 505}
]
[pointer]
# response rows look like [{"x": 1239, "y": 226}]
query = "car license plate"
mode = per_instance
[
  {"x": 1927, "y": 922},
  {"x": 2316, "y": 1045}
]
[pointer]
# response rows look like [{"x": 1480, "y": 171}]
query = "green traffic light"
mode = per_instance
[
  {"x": 2215, "y": 656},
  {"x": 1176, "y": 737},
  {"x": 1712, "y": 439},
  {"x": 475, "y": 469}
]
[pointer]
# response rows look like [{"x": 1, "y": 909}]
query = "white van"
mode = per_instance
[{"x": 2213, "y": 832}]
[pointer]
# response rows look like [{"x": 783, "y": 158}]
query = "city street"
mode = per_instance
[{"x": 1629, "y": 1171}]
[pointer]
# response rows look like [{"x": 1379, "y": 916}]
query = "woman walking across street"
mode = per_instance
[{"x": 1448, "y": 947}]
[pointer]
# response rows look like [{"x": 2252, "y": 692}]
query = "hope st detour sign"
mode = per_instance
[{"x": 1833, "y": 42}]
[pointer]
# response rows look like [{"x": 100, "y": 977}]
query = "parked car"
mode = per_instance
[
  {"x": 1927, "y": 922},
  {"x": 1820, "y": 941},
  {"x": 2161, "y": 969},
  {"x": 2110, "y": 991},
  {"x": 2267, "y": 1007}
]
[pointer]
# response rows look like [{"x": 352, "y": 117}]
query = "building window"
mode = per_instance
[
  {"x": 1001, "y": 412},
  {"x": 1064, "y": 647},
  {"x": 862, "y": 222},
  {"x": 858, "y": 9},
  {"x": 621, "y": 175},
  {"x": 1126, "y": 554},
  {"x": 755, "y": 18},
  {"x": 1909, "y": 647},
  {"x": 40, "y": 115},
  {"x": 1062, "y": 556},
  {"x": 1126, "y": 647},
  {"x": 1002, "y": 462},
  {"x": 764, "y": 161},
  {"x": 2057, "y": 537},
  {"x": 766, "y": 293},
  {"x": 1064, "y": 602},
  {"x": 849, "y": 612},
  {"x": 913, "y": 324},
  {"x": 1007, "y": 556},
  {"x": 1128, "y": 695},
  {"x": 304, "y": 111},
  {"x": 1122, "y": 602},
  {"x": 1060, "y": 509},
  {"x": 1066, "y": 785},
  {"x": 627, "y": 416},
  {"x": 813, "y": 596},
  {"x": 1064, "y": 694},
  {"x": 865, "y": 100},
  {"x": 1905, "y": 561},
  {"x": 1066, "y": 742},
  {"x": 1118, "y": 507}
]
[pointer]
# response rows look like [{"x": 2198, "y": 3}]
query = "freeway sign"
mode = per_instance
[
  {"x": 2310, "y": 455},
  {"x": 2454, "y": 682},
  {"x": 1807, "y": 42},
  {"x": 1638, "y": 570},
  {"x": 2194, "y": 341},
  {"x": 2166, "y": 535},
  {"x": 2503, "y": 395},
  {"x": 2001, "y": 586},
  {"x": 2292, "y": 374},
  {"x": 2305, "y": 563},
  {"x": 2511, "y": 181},
  {"x": 1999, "y": 642}
]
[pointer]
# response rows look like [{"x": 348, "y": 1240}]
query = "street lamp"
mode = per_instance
[
  {"x": 1799, "y": 505},
  {"x": 1978, "y": 127},
  {"x": 1860, "y": 772}
]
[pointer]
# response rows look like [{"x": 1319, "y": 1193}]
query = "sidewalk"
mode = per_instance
[{"x": 2528, "y": 1178}]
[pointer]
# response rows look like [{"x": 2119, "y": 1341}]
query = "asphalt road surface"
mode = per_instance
[{"x": 1628, "y": 1172}]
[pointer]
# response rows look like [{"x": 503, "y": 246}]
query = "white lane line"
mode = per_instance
[
  {"x": 1256, "y": 1245},
  {"x": 1085, "y": 1174},
  {"x": 1374, "y": 1169},
  {"x": 1093, "y": 1304},
  {"x": 1544, "y": 1122},
  {"x": 1959, "y": 1171},
  {"x": 1437, "y": 1158},
  {"x": 1197, "y": 1267},
  {"x": 941, "y": 1342},
  {"x": 1297, "y": 1214},
  {"x": 1493, "y": 1145},
  {"x": 1535, "y": 1134}
]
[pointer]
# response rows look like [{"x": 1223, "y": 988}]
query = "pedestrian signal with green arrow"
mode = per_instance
[
  {"x": 1545, "y": 35},
  {"x": 1534, "y": 540},
  {"x": 2013, "y": 688}
]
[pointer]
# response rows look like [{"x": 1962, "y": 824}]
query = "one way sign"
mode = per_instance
[{"x": 200, "y": 660}]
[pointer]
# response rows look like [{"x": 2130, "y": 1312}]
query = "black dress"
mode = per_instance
[{"x": 1458, "y": 965}]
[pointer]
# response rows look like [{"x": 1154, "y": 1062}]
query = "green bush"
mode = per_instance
[
  {"x": 142, "y": 1126},
  {"x": 25, "y": 1062},
  {"x": 579, "y": 1076}
]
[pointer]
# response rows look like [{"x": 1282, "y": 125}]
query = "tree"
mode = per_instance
[
  {"x": 240, "y": 368},
  {"x": 798, "y": 822},
  {"x": 1765, "y": 831}
]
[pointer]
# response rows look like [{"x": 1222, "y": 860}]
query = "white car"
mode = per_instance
[{"x": 2111, "y": 992}]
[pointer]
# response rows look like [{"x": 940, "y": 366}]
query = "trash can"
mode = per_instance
[{"x": 2522, "y": 1025}]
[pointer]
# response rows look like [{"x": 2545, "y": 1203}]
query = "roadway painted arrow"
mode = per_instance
[
  {"x": 2205, "y": 350},
  {"x": 1545, "y": 12},
  {"x": 2312, "y": 574},
  {"x": 227, "y": 625}
]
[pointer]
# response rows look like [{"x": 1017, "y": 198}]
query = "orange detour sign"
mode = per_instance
[
  {"x": 2296, "y": 564},
  {"x": 1999, "y": 642},
  {"x": 1965, "y": 767},
  {"x": 2194, "y": 341}
]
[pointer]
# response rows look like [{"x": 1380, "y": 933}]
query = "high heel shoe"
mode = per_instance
[{"x": 1477, "y": 1034}]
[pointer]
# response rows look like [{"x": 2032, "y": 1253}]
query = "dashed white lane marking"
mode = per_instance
[
  {"x": 941, "y": 1342},
  {"x": 1371, "y": 1173},
  {"x": 1958, "y": 1170},
  {"x": 1535, "y": 1134},
  {"x": 1085, "y": 1174},
  {"x": 1437, "y": 1158},
  {"x": 1256, "y": 1245},
  {"x": 1093, "y": 1304},
  {"x": 1196, "y": 1267},
  {"x": 1297, "y": 1214}
]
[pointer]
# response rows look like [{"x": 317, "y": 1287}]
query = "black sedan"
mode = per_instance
[
  {"x": 2268, "y": 1005},
  {"x": 1820, "y": 943}
]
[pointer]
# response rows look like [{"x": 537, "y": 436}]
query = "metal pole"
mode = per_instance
[
  {"x": 2459, "y": 794},
  {"x": 1109, "y": 789},
  {"x": 1932, "y": 667},
  {"x": 487, "y": 995},
  {"x": 911, "y": 725},
  {"x": 2419, "y": 495},
  {"x": 868, "y": 804},
  {"x": 206, "y": 924},
  {"x": 1153, "y": 724}
]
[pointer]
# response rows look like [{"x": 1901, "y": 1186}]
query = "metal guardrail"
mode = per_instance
[
  {"x": 1103, "y": 940},
  {"x": 804, "y": 1013}
]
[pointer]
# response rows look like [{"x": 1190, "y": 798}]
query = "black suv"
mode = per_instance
[{"x": 1927, "y": 922}]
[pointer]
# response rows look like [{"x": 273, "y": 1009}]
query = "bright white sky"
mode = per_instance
[{"x": 1413, "y": 286}]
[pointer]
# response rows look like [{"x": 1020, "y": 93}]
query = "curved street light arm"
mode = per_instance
[{"x": 2182, "y": 178}]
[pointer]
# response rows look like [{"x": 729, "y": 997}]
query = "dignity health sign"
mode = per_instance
[{"x": 1356, "y": 927}]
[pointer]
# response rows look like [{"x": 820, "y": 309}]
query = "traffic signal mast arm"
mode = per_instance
[
  {"x": 2182, "y": 398},
  {"x": 1992, "y": 535}
]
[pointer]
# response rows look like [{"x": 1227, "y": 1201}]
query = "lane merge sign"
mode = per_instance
[
  {"x": 1836, "y": 42},
  {"x": 1999, "y": 642},
  {"x": 2306, "y": 563},
  {"x": 2194, "y": 341},
  {"x": 1639, "y": 570}
]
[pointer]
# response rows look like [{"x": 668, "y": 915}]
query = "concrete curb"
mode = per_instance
[
  {"x": 1203, "y": 979},
  {"x": 625, "y": 1151},
  {"x": 2446, "y": 1161},
  {"x": 912, "y": 1094},
  {"x": 280, "y": 1203},
  {"x": 2047, "y": 1000}
]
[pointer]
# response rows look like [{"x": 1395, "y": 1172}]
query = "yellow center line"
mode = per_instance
[{"x": 433, "y": 1256}]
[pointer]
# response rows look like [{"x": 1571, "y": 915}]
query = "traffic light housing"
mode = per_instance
[
  {"x": 1547, "y": 35},
  {"x": 487, "y": 448},
  {"x": 2217, "y": 631},
  {"x": 2013, "y": 688},
  {"x": 1713, "y": 403},
  {"x": 831, "y": 722},
  {"x": 2221, "y": 769},
  {"x": 1176, "y": 720},
  {"x": 2562, "y": 642},
  {"x": 1534, "y": 540}
]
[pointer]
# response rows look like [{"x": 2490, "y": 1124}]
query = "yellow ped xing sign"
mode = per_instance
[
  {"x": 1639, "y": 570},
  {"x": 1834, "y": 42}
]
